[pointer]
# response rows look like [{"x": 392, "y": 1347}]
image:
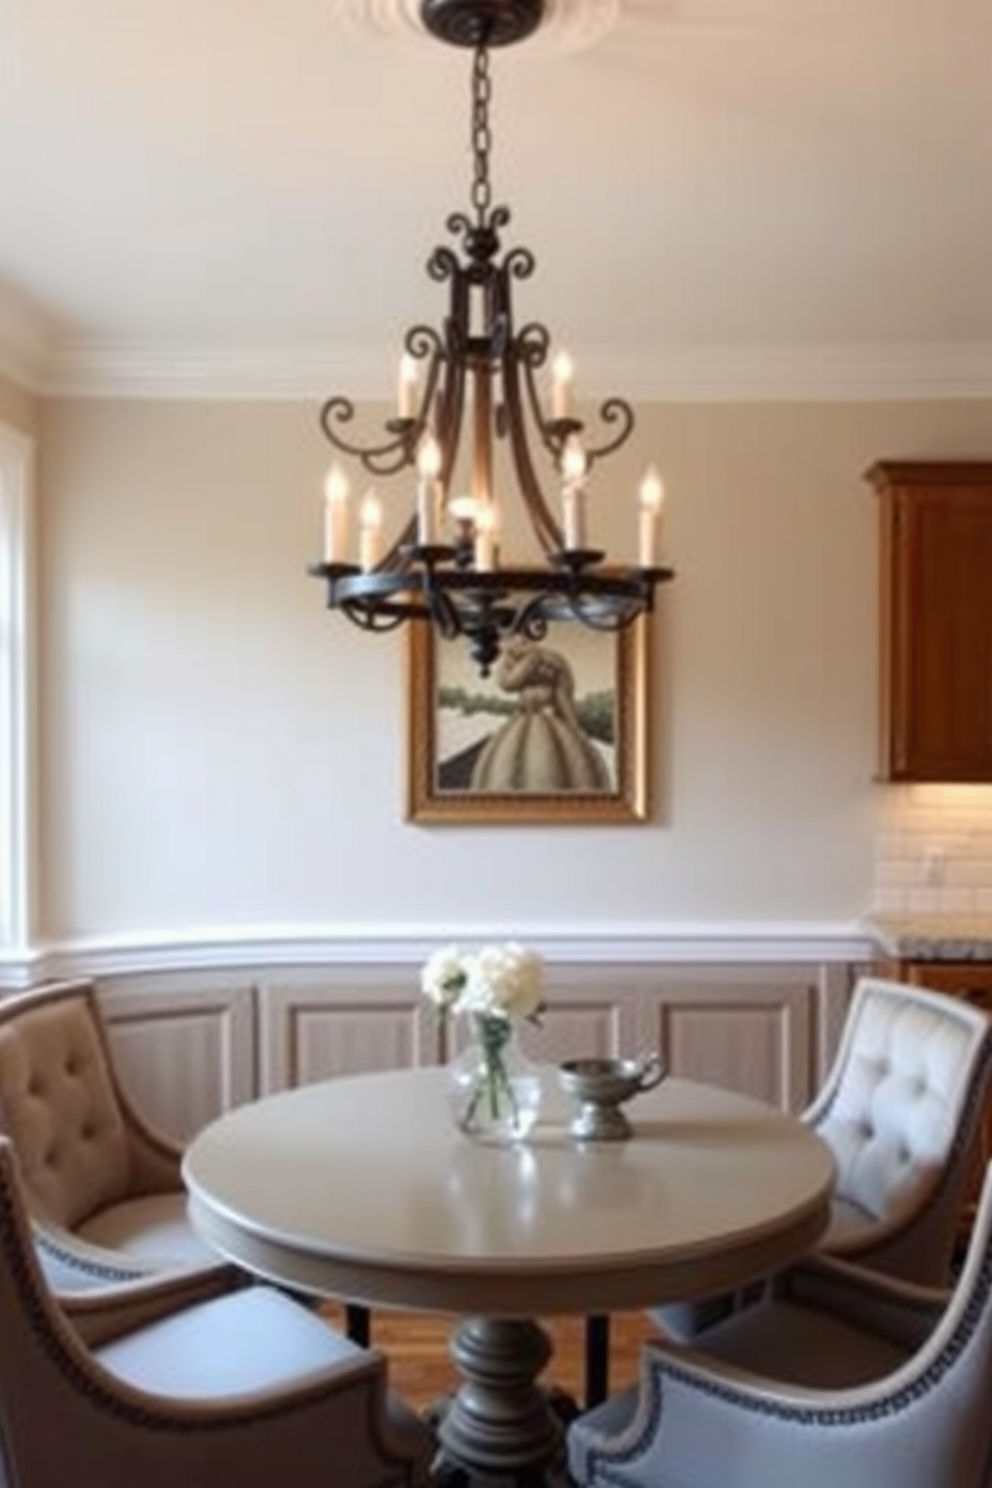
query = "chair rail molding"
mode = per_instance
[
  {"x": 18, "y": 786},
  {"x": 224, "y": 948}
]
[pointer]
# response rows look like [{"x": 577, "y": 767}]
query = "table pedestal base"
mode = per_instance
[{"x": 500, "y": 1426}]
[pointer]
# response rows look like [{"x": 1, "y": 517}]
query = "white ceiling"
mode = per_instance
[{"x": 719, "y": 193}]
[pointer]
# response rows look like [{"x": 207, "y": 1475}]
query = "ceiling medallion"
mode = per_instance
[{"x": 567, "y": 25}]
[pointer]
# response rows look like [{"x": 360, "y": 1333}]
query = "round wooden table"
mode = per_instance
[{"x": 362, "y": 1188}]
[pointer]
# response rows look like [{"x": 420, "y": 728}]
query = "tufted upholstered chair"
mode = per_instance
[
  {"x": 244, "y": 1390},
  {"x": 902, "y": 1109},
  {"x": 840, "y": 1375},
  {"x": 903, "y": 1112},
  {"x": 105, "y": 1194}
]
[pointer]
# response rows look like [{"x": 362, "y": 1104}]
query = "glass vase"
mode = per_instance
[{"x": 494, "y": 1090}]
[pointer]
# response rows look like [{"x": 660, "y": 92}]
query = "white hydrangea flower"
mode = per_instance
[
  {"x": 505, "y": 980},
  {"x": 502, "y": 981},
  {"x": 443, "y": 976}
]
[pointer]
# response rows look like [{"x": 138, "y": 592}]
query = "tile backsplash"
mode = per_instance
[{"x": 933, "y": 851}]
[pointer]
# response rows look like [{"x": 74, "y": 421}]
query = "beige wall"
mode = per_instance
[
  {"x": 220, "y": 751},
  {"x": 17, "y": 407}
]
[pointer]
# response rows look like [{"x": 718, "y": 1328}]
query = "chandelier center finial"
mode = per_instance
[{"x": 473, "y": 23}]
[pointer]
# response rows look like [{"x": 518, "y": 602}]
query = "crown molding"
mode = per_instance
[
  {"x": 136, "y": 369},
  {"x": 812, "y": 374},
  {"x": 857, "y": 372},
  {"x": 226, "y": 949}
]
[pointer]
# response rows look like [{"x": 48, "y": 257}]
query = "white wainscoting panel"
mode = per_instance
[
  {"x": 340, "y": 1021},
  {"x": 190, "y": 1043},
  {"x": 184, "y": 1052},
  {"x": 591, "y": 1010},
  {"x": 752, "y": 1029}
]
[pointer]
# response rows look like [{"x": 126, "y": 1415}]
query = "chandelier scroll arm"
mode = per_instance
[
  {"x": 613, "y": 411},
  {"x": 378, "y": 459},
  {"x": 423, "y": 343},
  {"x": 376, "y": 620},
  {"x": 607, "y": 621},
  {"x": 531, "y": 618},
  {"x": 533, "y": 343}
]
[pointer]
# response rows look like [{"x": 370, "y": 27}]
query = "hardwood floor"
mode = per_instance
[{"x": 420, "y": 1370}]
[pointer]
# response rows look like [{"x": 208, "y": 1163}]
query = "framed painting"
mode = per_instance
[{"x": 558, "y": 732}]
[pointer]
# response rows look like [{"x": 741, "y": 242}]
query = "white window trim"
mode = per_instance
[{"x": 18, "y": 696}]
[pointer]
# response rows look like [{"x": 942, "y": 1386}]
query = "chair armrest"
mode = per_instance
[
  {"x": 692, "y": 1409},
  {"x": 73, "y": 1265},
  {"x": 903, "y": 1312},
  {"x": 103, "y": 1314},
  {"x": 104, "y": 1292}
]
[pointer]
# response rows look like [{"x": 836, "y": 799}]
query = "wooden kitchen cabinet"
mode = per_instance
[
  {"x": 936, "y": 620},
  {"x": 971, "y": 980}
]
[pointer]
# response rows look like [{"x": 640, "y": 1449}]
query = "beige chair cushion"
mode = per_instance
[
  {"x": 244, "y": 1343},
  {"x": 248, "y": 1345},
  {"x": 155, "y": 1229},
  {"x": 847, "y": 1222},
  {"x": 60, "y": 1110},
  {"x": 784, "y": 1340}
]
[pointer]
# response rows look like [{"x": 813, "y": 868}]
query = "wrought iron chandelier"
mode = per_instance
[{"x": 446, "y": 567}]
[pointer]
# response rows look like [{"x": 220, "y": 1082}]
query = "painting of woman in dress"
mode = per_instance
[
  {"x": 542, "y": 746},
  {"x": 556, "y": 732},
  {"x": 533, "y": 727}
]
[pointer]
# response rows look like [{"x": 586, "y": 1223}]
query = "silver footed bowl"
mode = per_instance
[{"x": 602, "y": 1086}]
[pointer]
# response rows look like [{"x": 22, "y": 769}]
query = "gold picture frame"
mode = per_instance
[{"x": 558, "y": 733}]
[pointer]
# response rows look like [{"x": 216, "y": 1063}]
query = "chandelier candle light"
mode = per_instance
[{"x": 446, "y": 567}]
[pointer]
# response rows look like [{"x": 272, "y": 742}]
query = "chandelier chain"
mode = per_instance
[{"x": 482, "y": 92}]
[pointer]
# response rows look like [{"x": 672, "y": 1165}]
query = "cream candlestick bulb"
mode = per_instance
[
  {"x": 574, "y": 502},
  {"x": 335, "y": 516},
  {"x": 370, "y": 532},
  {"x": 407, "y": 390},
  {"x": 574, "y": 462},
  {"x": 428, "y": 512},
  {"x": 573, "y": 468},
  {"x": 652, "y": 498},
  {"x": 429, "y": 491},
  {"x": 429, "y": 456},
  {"x": 485, "y": 540},
  {"x": 562, "y": 377}
]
